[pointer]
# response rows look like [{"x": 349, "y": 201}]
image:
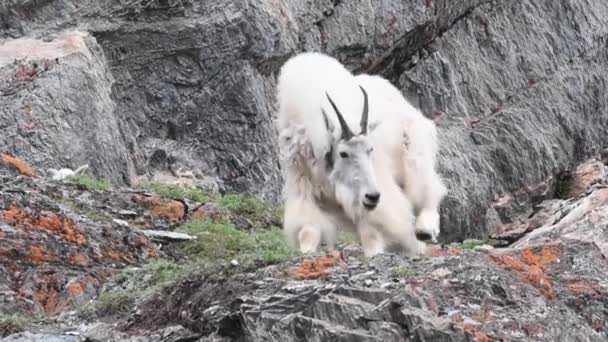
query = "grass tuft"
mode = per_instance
[
  {"x": 177, "y": 192},
  {"x": 12, "y": 324},
  {"x": 132, "y": 285},
  {"x": 219, "y": 243},
  {"x": 404, "y": 272},
  {"x": 88, "y": 183},
  {"x": 261, "y": 213}
]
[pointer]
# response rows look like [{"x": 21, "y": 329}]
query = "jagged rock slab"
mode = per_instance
[
  {"x": 578, "y": 214},
  {"x": 545, "y": 292},
  {"x": 585, "y": 219},
  {"x": 162, "y": 235}
]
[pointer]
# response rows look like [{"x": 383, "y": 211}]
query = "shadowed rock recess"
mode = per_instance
[{"x": 182, "y": 92}]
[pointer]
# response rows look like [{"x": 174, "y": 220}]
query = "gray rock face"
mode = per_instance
[
  {"x": 520, "y": 84},
  {"x": 56, "y": 111}
]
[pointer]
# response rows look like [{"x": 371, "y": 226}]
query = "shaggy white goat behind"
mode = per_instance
[
  {"x": 411, "y": 140},
  {"x": 342, "y": 172}
]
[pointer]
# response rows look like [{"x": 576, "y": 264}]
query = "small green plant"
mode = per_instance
[
  {"x": 241, "y": 204},
  {"x": 404, "y": 272},
  {"x": 259, "y": 212},
  {"x": 471, "y": 244},
  {"x": 272, "y": 247},
  {"x": 177, "y": 192},
  {"x": 562, "y": 190},
  {"x": 112, "y": 303},
  {"x": 12, "y": 324},
  {"x": 346, "y": 237},
  {"x": 153, "y": 275},
  {"x": 132, "y": 285},
  {"x": 88, "y": 183}
]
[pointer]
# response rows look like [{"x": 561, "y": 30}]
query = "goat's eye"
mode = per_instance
[
  {"x": 343, "y": 154},
  {"x": 370, "y": 150}
]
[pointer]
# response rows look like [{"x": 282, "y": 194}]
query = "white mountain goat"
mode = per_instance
[
  {"x": 64, "y": 173},
  {"x": 336, "y": 178}
]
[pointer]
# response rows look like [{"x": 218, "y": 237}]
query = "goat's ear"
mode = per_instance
[
  {"x": 329, "y": 159},
  {"x": 328, "y": 124}
]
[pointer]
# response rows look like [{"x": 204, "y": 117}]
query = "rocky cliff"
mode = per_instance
[
  {"x": 150, "y": 92},
  {"x": 517, "y": 86}
]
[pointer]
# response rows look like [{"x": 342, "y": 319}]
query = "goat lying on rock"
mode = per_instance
[
  {"x": 64, "y": 173},
  {"x": 370, "y": 181}
]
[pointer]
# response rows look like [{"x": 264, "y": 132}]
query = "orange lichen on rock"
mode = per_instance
[
  {"x": 47, "y": 221},
  {"x": 22, "y": 167},
  {"x": 314, "y": 268},
  {"x": 46, "y": 296},
  {"x": 531, "y": 266},
  {"x": 210, "y": 212},
  {"x": 477, "y": 334},
  {"x": 586, "y": 287},
  {"x": 77, "y": 288},
  {"x": 118, "y": 256},
  {"x": 144, "y": 242},
  {"x": 39, "y": 255},
  {"x": 166, "y": 209},
  {"x": 438, "y": 251},
  {"x": 79, "y": 259}
]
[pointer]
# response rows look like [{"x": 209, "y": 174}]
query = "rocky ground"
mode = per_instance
[
  {"x": 152, "y": 88},
  {"x": 84, "y": 261}
]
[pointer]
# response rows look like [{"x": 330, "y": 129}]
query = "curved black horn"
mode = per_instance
[
  {"x": 364, "y": 115},
  {"x": 346, "y": 132}
]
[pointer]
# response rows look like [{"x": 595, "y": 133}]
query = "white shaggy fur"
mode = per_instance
[
  {"x": 411, "y": 139},
  {"x": 400, "y": 168}
]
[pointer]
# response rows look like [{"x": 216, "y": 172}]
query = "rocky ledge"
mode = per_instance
[{"x": 94, "y": 263}]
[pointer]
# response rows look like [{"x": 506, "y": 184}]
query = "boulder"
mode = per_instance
[{"x": 57, "y": 109}]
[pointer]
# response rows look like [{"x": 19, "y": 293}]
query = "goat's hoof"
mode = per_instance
[{"x": 424, "y": 236}]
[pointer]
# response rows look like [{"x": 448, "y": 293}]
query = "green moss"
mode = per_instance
[
  {"x": 404, "y": 272},
  {"x": 241, "y": 205},
  {"x": 217, "y": 244},
  {"x": 109, "y": 303},
  {"x": 346, "y": 238},
  {"x": 15, "y": 323},
  {"x": 88, "y": 183},
  {"x": 472, "y": 243},
  {"x": 12, "y": 324},
  {"x": 272, "y": 247},
  {"x": 260, "y": 213},
  {"x": 563, "y": 186},
  {"x": 150, "y": 276},
  {"x": 132, "y": 285},
  {"x": 177, "y": 192}
]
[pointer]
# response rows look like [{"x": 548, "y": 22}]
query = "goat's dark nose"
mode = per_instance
[{"x": 373, "y": 197}]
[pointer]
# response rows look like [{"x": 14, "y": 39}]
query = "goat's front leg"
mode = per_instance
[
  {"x": 307, "y": 226},
  {"x": 428, "y": 220},
  {"x": 422, "y": 184},
  {"x": 371, "y": 239}
]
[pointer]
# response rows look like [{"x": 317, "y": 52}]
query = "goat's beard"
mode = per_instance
[{"x": 349, "y": 202}]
